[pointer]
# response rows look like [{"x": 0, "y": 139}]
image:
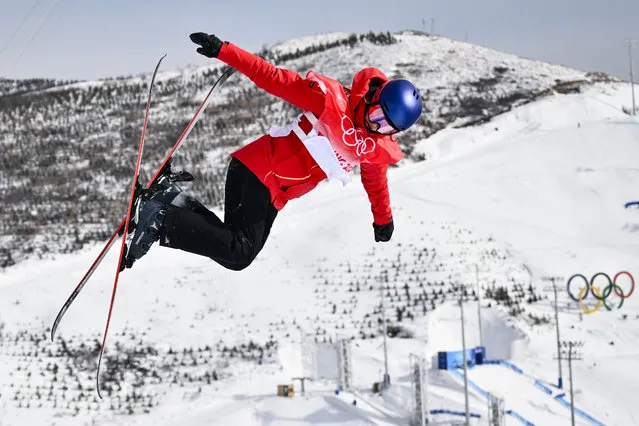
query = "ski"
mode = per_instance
[
  {"x": 136, "y": 178},
  {"x": 109, "y": 244}
]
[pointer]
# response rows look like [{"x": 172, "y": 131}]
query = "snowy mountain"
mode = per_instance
[
  {"x": 536, "y": 191},
  {"x": 69, "y": 147}
]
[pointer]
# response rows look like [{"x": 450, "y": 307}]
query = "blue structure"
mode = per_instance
[
  {"x": 455, "y": 413},
  {"x": 454, "y": 359}
]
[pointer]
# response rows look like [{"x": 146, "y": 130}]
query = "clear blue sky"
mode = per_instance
[{"x": 88, "y": 39}]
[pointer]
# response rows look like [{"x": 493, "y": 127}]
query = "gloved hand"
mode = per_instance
[
  {"x": 211, "y": 45},
  {"x": 383, "y": 232}
]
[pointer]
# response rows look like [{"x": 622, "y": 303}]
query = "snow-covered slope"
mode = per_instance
[{"x": 536, "y": 191}]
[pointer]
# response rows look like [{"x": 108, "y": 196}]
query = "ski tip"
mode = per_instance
[
  {"x": 97, "y": 383},
  {"x": 54, "y": 328}
]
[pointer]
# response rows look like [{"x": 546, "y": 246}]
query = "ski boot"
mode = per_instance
[{"x": 148, "y": 212}]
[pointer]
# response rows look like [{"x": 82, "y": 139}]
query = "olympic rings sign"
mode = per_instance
[{"x": 601, "y": 296}]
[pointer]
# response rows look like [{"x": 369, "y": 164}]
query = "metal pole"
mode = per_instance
[
  {"x": 481, "y": 339},
  {"x": 572, "y": 395},
  {"x": 630, "y": 42},
  {"x": 386, "y": 380},
  {"x": 424, "y": 394},
  {"x": 572, "y": 355},
  {"x": 632, "y": 81},
  {"x": 461, "y": 306},
  {"x": 560, "y": 381}
]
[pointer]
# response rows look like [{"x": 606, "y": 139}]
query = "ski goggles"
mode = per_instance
[{"x": 376, "y": 115}]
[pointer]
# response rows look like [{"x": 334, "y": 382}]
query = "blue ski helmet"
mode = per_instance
[{"x": 400, "y": 102}]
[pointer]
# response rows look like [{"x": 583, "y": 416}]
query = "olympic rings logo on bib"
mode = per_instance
[
  {"x": 352, "y": 136},
  {"x": 601, "y": 296}
]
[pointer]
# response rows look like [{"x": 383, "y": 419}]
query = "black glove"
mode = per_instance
[
  {"x": 383, "y": 232},
  {"x": 211, "y": 45}
]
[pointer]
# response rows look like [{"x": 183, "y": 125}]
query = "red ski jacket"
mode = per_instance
[{"x": 327, "y": 140}]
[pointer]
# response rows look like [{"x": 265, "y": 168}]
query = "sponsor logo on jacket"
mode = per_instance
[{"x": 352, "y": 136}]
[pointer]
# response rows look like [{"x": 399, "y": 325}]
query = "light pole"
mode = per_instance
[
  {"x": 386, "y": 381},
  {"x": 569, "y": 353},
  {"x": 467, "y": 405},
  {"x": 560, "y": 381},
  {"x": 481, "y": 339},
  {"x": 631, "y": 43}
]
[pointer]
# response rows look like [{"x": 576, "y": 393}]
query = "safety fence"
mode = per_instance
[
  {"x": 454, "y": 413},
  {"x": 546, "y": 389},
  {"x": 562, "y": 400},
  {"x": 486, "y": 395},
  {"x": 519, "y": 417}
]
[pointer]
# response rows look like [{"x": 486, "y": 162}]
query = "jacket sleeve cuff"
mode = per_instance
[
  {"x": 382, "y": 219},
  {"x": 224, "y": 51}
]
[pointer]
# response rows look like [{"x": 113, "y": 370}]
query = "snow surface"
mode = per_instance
[{"x": 543, "y": 185}]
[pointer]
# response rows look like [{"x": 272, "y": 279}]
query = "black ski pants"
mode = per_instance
[{"x": 235, "y": 242}]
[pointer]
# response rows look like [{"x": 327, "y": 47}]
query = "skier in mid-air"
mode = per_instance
[{"x": 339, "y": 128}]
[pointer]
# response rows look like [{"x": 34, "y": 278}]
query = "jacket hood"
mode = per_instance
[{"x": 361, "y": 83}]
